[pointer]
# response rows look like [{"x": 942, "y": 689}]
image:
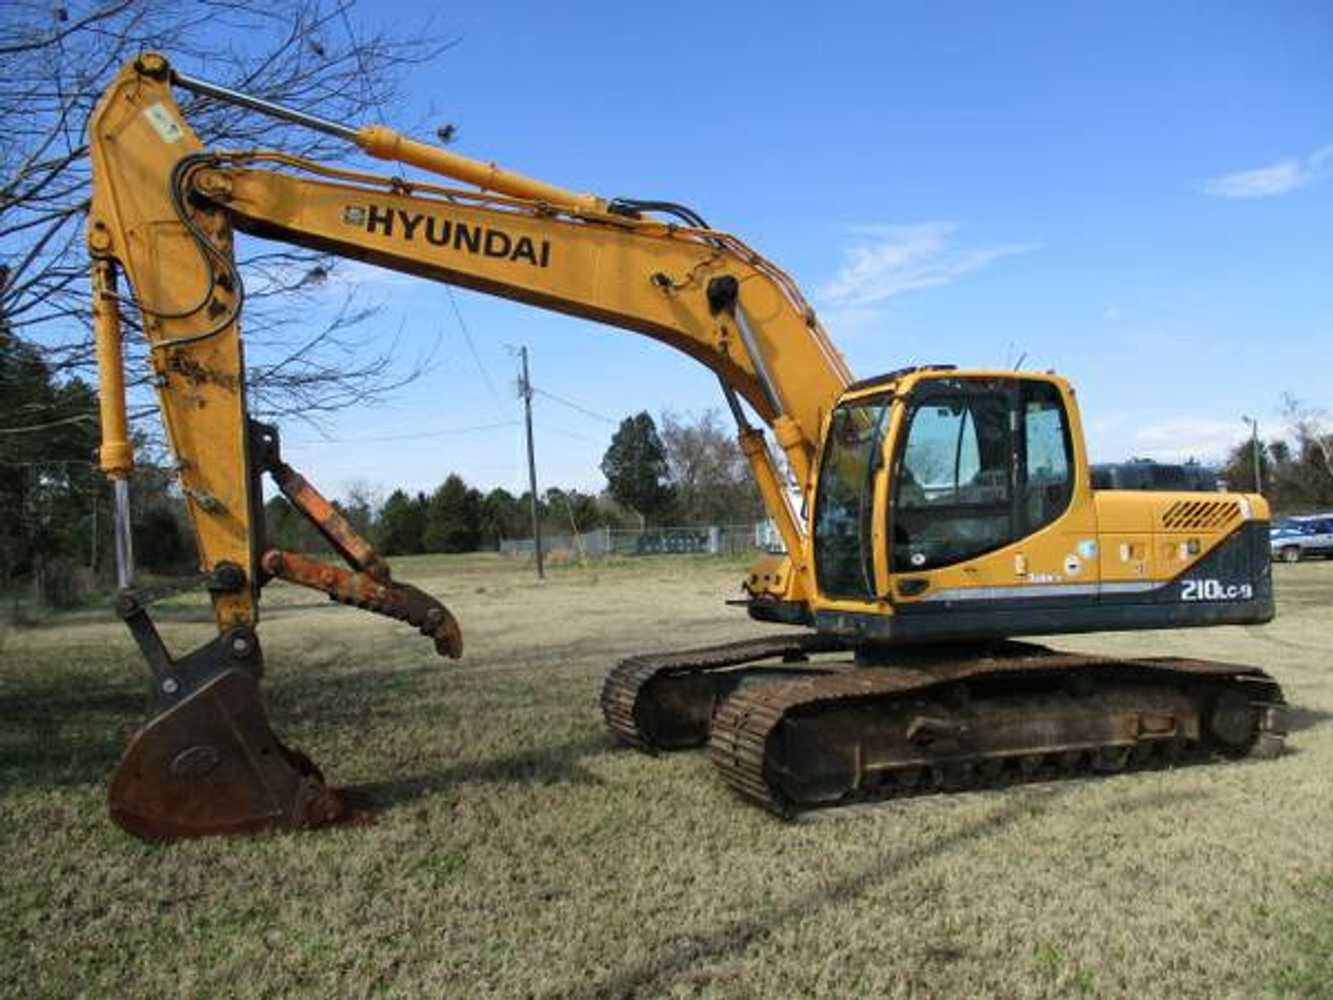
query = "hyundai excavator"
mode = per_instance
[{"x": 942, "y": 514}]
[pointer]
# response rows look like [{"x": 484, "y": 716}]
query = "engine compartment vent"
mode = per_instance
[{"x": 1189, "y": 515}]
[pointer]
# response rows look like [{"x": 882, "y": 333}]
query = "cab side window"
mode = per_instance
[
  {"x": 983, "y": 465},
  {"x": 1049, "y": 479},
  {"x": 953, "y": 491}
]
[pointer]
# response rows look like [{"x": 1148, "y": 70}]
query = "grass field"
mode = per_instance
[{"x": 519, "y": 854}]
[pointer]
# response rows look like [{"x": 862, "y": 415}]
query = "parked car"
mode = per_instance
[{"x": 1294, "y": 538}]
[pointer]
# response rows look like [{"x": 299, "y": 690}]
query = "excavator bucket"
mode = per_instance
[
  {"x": 211, "y": 764},
  {"x": 208, "y": 762}
]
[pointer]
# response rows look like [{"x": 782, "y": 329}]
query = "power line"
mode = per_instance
[
  {"x": 575, "y": 406},
  {"x": 570, "y": 434},
  {"x": 467, "y": 335},
  {"x": 33, "y": 428},
  {"x": 417, "y": 435}
]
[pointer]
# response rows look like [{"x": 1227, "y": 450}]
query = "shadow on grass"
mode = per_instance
[
  {"x": 64, "y": 724},
  {"x": 544, "y": 765},
  {"x": 60, "y": 728},
  {"x": 683, "y": 955},
  {"x": 1300, "y": 719}
]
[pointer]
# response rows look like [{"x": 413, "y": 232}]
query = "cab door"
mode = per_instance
[
  {"x": 849, "y": 501},
  {"x": 983, "y": 470}
]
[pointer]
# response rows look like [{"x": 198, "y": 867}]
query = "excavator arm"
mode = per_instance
[{"x": 163, "y": 213}]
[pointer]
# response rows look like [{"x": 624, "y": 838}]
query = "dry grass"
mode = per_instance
[{"x": 520, "y": 854}]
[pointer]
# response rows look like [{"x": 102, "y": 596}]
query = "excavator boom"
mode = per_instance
[{"x": 163, "y": 214}]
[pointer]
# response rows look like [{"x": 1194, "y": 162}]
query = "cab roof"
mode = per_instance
[{"x": 901, "y": 380}]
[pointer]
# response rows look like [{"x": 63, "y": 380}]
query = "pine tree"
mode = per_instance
[
  {"x": 453, "y": 518},
  {"x": 402, "y": 524},
  {"x": 636, "y": 470}
]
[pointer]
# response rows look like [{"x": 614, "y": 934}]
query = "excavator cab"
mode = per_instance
[
  {"x": 956, "y": 505},
  {"x": 958, "y": 466}
]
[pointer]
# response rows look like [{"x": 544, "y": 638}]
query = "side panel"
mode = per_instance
[
  {"x": 1128, "y": 547},
  {"x": 1229, "y": 585}
]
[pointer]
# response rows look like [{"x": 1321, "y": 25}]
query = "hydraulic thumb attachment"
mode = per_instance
[
  {"x": 208, "y": 762},
  {"x": 396, "y": 600},
  {"x": 368, "y": 585}
]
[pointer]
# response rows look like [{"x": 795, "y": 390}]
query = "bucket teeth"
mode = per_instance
[{"x": 211, "y": 764}]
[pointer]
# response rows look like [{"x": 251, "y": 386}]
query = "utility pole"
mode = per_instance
[
  {"x": 1254, "y": 452},
  {"x": 525, "y": 389}
]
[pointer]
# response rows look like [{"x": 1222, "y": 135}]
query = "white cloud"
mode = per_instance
[
  {"x": 1119, "y": 437},
  {"x": 1275, "y": 179},
  {"x": 852, "y": 321},
  {"x": 891, "y": 260}
]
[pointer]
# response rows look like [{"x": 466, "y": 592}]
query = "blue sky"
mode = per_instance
[{"x": 1139, "y": 196}]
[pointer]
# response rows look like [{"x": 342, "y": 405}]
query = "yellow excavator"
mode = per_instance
[{"x": 941, "y": 514}]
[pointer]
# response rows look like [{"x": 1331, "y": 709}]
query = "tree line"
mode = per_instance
[
  {"x": 1296, "y": 471},
  {"x": 454, "y": 517},
  {"x": 55, "y": 506},
  {"x": 691, "y": 472},
  {"x": 56, "y": 530}
]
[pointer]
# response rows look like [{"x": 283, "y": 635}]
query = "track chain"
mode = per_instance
[
  {"x": 625, "y": 684},
  {"x": 740, "y": 740}
]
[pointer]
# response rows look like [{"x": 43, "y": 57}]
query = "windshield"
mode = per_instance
[{"x": 844, "y": 564}]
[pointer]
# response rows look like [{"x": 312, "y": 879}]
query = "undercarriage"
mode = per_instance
[{"x": 792, "y": 728}]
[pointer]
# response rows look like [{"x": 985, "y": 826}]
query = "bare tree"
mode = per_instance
[
  {"x": 1297, "y": 469},
  {"x": 361, "y": 504},
  {"x": 1313, "y": 438},
  {"x": 710, "y": 475},
  {"x": 55, "y": 59}
]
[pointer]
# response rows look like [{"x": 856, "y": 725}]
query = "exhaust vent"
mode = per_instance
[{"x": 1190, "y": 515}]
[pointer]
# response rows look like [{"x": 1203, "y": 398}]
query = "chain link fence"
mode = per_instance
[{"x": 710, "y": 539}]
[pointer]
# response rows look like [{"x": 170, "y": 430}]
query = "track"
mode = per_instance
[
  {"x": 792, "y": 738},
  {"x": 665, "y": 701}
]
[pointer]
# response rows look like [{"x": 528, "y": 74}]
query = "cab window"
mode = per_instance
[
  {"x": 983, "y": 464},
  {"x": 953, "y": 491},
  {"x": 1049, "y": 482},
  {"x": 844, "y": 562}
]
